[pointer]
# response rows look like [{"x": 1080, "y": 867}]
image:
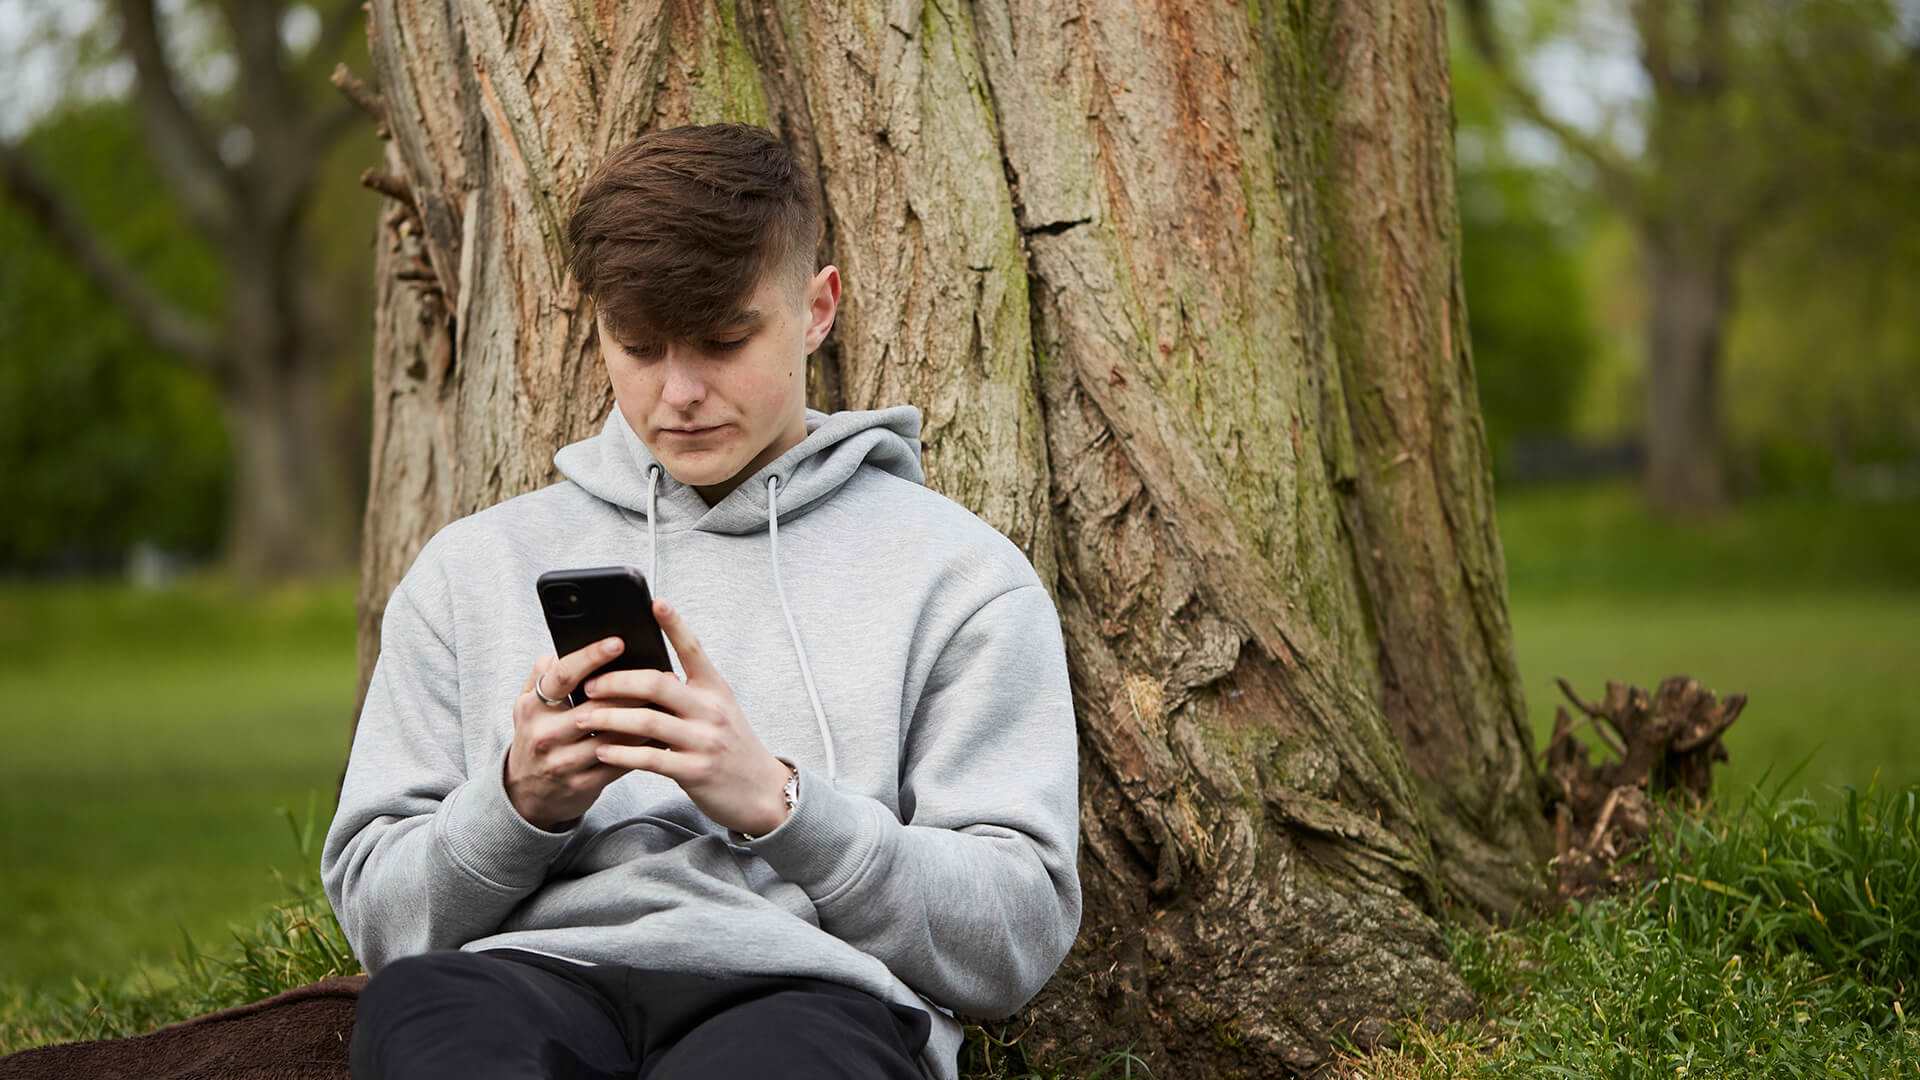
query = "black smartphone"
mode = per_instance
[{"x": 586, "y": 605}]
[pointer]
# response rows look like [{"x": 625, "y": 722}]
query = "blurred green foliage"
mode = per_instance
[
  {"x": 1823, "y": 349},
  {"x": 103, "y": 440},
  {"x": 1820, "y": 372},
  {"x": 1533, "y": 343},
  {"x": 1823, "y": 353}
]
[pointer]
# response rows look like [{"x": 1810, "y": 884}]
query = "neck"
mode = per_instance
[{"x": 789, "y": 437}]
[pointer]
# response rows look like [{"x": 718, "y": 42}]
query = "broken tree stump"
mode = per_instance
[{"x": 1666, "y": 742}]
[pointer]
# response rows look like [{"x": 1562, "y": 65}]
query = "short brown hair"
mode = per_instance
[{"x": 673, "y": 231}]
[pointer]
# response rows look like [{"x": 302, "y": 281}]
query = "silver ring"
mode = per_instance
[{"x": 552, "y": 703}]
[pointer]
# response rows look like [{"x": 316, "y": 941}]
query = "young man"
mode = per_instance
[{"x": 864, "y": 817}]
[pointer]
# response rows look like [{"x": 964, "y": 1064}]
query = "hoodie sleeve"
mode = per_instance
[
  {"x": 420, "y": 856},
  {"x": 975, "y": 900}
]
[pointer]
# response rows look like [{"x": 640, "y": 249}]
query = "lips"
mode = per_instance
[{"x": 695, "y": 432}]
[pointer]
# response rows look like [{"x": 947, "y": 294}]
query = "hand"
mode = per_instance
[
  {"x": 552, "y": 775},
  {"x": 710, "y": 749}
]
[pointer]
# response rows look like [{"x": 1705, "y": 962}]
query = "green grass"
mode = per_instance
[
  {"x": 153, "y": 740},
  {"x": 292, "y": 941},
  {"x": 1826, "y": 675},
  {"x": 1811, "y": 609},
  {"x": 1780, "y": 938},
  {"x": 1600, "y": 540},
  {"x": 150, "y": 873}
]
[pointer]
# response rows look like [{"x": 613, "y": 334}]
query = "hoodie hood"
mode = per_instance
[{"x": 617, "y": 466}]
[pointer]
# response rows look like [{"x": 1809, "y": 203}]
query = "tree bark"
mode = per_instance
[
  {"x": 290, "y": 508},
  {"x": 1690, "y": 288},
  {"x": 1176, "y": 288}
]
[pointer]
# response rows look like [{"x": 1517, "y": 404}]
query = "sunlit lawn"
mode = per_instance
[{"x": 152, "y": 739}]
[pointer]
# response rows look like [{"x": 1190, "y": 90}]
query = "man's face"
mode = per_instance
[{"x": 746, "y": 385}]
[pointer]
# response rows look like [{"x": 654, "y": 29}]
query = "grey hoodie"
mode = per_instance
[{"x": 896, "y": 649}]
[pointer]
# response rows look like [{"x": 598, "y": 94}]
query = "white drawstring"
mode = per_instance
[
  {"x": 779, "y": 590},
  {"x": 806, "y": 672},
  {"x": 653, "y": 553}
]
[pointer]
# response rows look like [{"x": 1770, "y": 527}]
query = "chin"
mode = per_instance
[{"x": 698, "y": 469}]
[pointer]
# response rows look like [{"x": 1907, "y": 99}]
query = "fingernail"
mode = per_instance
[
  {"x": 666, "y": 608},
  {"x": 610, "y": 646}
]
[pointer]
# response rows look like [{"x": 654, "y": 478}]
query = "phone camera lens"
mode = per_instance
[{"x": 573, "y": 599}]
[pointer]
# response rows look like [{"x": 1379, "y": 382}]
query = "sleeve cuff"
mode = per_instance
[
  {"x": 827, "y": 842},
  {"x": 484, "y": 833}
]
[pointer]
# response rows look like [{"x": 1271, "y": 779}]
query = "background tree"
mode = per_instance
[
  {"x": 104, "y": 442},
  {"x": 1522, "y": 224},
  {"x": 1178, "y": 292},
  {"x": 1748, "y": 111},
  {"x": 242, "y": 168}
]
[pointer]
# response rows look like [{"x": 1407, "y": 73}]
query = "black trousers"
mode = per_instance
[{"x": 511, "y": 1013}]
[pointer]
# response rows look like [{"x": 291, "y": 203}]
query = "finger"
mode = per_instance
[
  {"x": 645, "y": 758},
  {"x": 693, "y": 659},
  {"x": 581, "y": 760},
  {"x": 675, "y": 732},
  {"x": 655, "y": 687},
  {"x": 568, "y": 671},
  {"x": 539, "y": 668},
  {"x": 603, "y": 774}
]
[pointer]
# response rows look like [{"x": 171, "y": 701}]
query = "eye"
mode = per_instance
[{"x": 726, "y": 346}]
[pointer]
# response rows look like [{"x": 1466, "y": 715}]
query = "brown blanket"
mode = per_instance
[{"x": 300, "y": 1034}]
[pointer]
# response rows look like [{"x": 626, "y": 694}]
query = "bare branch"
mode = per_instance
[
  {"x": 363, "y": 96},
  {"x": 180, "y": 143},
  {"x": 1650, "y": 25},
  {"x": 164, "y": 324},
  {"x": 281, "y": 173},
  {"x": 1618, "y": 175},
  {"x": 266, "y": 98},
  {"x": 393, "y": 187}
]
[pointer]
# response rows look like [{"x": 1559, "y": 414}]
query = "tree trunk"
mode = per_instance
[
  {"x": 288, "y": 515},
  {"x": 1177, "y": 291},
  {"x": 1690, "y": 284}
]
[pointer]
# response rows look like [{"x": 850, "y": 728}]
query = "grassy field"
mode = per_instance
[
  {"x": 1811, "y": 609},
  {"x": 146, "y": 800},
  {"x": 152, "y": 740}
]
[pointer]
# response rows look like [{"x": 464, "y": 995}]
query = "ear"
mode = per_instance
[{"x": 823, "y": 303}]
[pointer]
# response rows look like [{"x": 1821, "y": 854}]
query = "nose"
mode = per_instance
[{"x": 681, "y": 385}]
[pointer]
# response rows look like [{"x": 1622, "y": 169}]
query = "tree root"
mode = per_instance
[{"x": 1666, "y": 743}]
